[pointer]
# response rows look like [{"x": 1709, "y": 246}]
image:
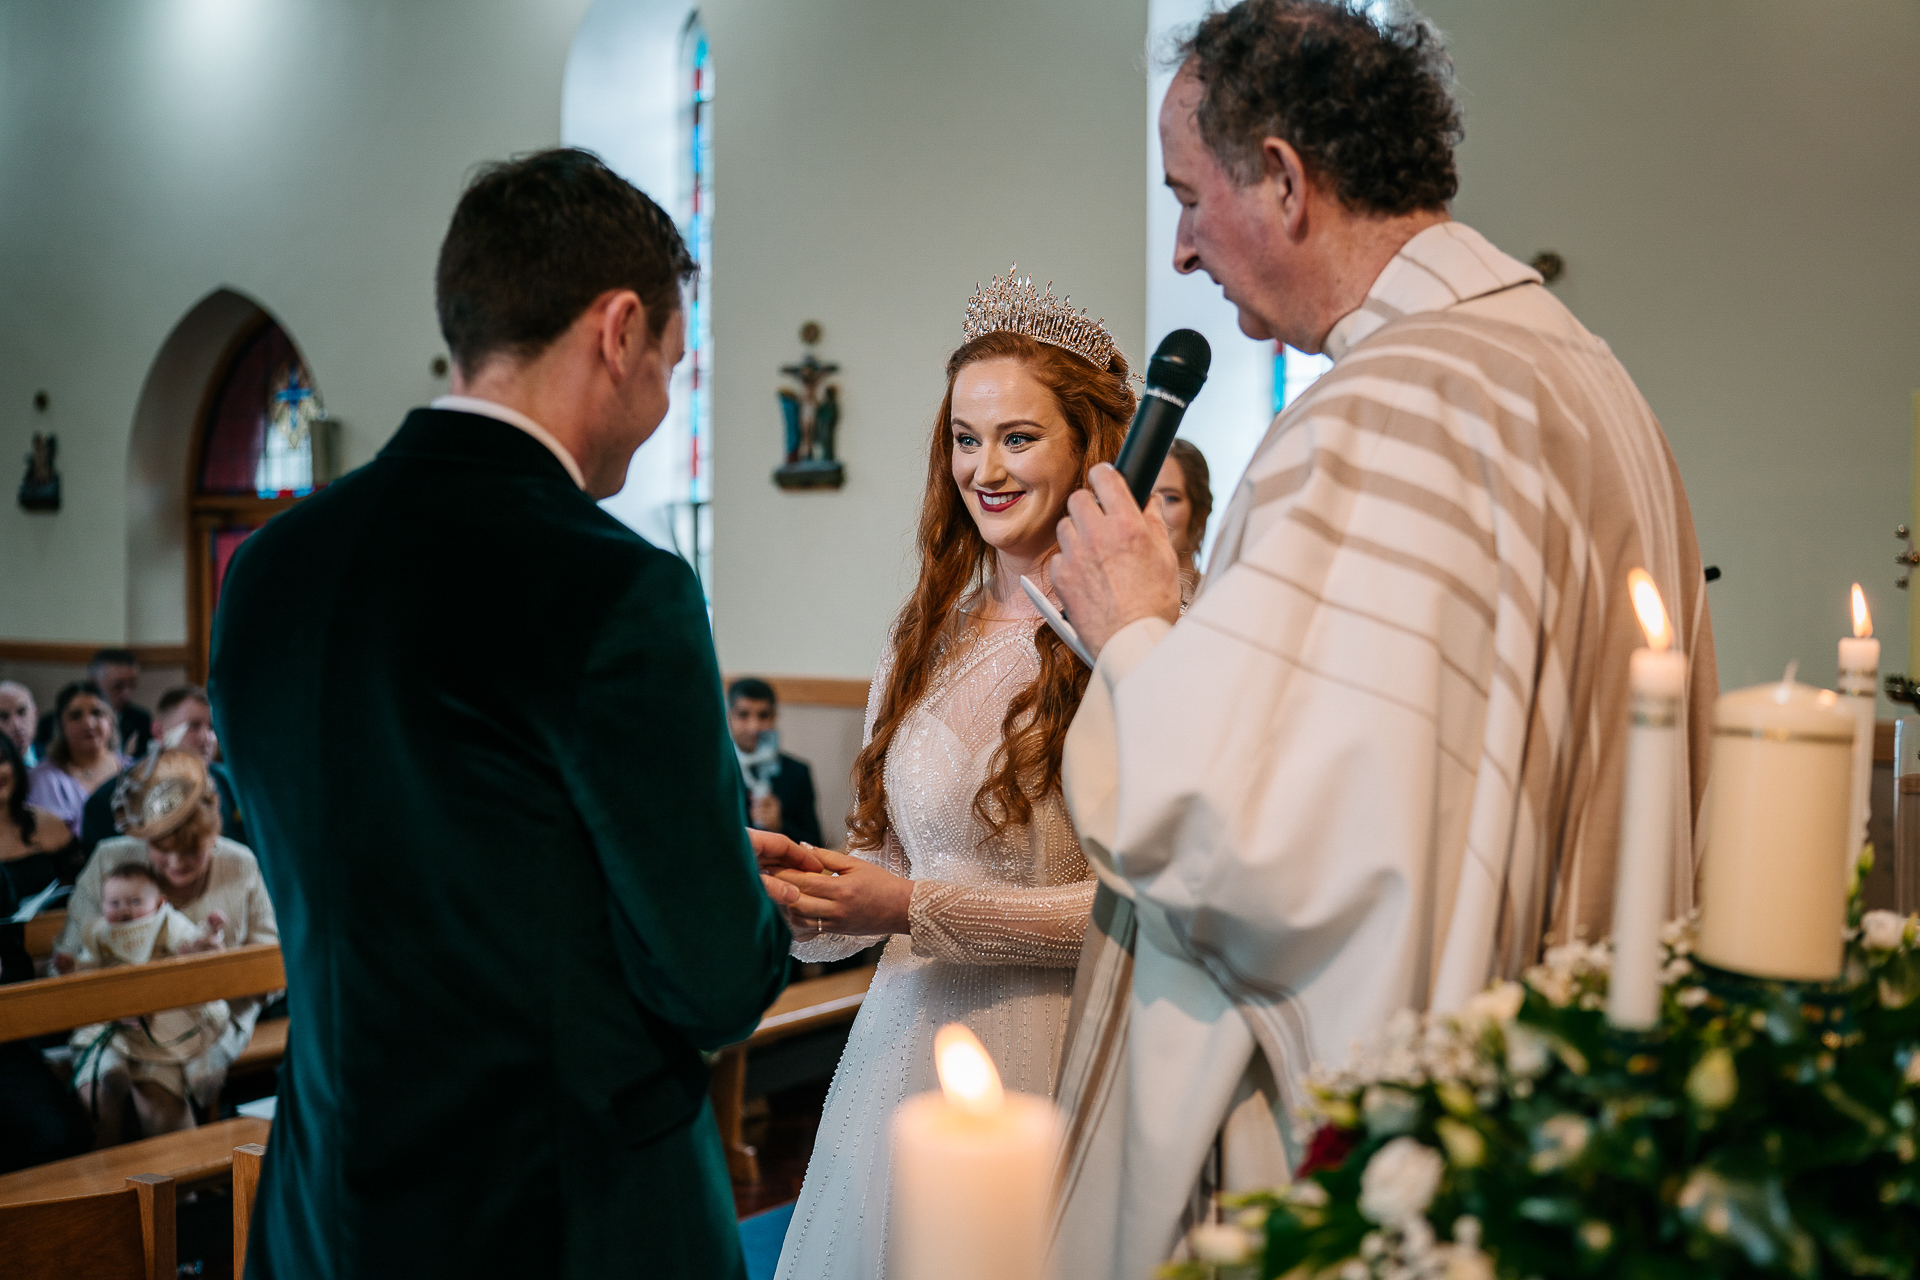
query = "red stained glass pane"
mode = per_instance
[
  {"x": 243, "y": 408},
  {"x": 225, "y": 543}
]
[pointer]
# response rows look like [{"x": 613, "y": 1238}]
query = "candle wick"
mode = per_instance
[{"x": 1785, "y": 691}]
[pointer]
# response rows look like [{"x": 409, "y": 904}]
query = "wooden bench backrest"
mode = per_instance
[
  {"x": 246, "y": 1180},
  {"x": 101, "y": 995},
  {"x": 126, "y": 1234},
  {"x": 39, "y": 933}
]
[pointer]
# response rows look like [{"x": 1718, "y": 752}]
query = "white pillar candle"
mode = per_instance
[
  {"x": 1773, "y": 889},
  {"x": 1657, "y": 678},
  {"x": 972, "y": 1173},
  {"x": 1859, "y": 680}
]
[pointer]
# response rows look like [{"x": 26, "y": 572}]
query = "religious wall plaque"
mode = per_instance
[
  {"x": 811, "y": 417},
  {"x": 40, "y": 487}
]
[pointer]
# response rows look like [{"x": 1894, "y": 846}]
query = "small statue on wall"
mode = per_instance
[
  {"x": 40, "y": 488},
  {"x": 812, "y": 417}
]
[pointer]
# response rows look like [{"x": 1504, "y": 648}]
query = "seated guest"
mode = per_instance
[
  {"x": 779, "y": 786},
  {"x": 1186, "y": 501},
  {"x": 35, "y": 845},
  {"x": 18, "y": 718},
  {"x": 138, "y": 925},
  {"x": 83, "y": 756},
  {"x": 117, "y": 673},
  {"x": 169, "y": 809},
  {"x": 182, "y": 718},
  {"x": 39, "y": 1119}
]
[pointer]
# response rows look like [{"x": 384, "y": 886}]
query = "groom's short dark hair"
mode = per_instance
[{"x": 536, "y": 239}]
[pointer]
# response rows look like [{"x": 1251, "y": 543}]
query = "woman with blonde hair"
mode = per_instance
[{"x": 966, "y": 862}]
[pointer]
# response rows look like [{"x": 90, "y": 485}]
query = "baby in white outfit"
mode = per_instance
[{"x": 137, "y": 925}]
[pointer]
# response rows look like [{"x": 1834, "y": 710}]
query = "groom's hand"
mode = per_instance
[
  {"x": 1116, "y": 563},
  {"x": 776, "y": 854}
]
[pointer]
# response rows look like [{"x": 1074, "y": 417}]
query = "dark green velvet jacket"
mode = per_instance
[{"x": 477, "y": 730}]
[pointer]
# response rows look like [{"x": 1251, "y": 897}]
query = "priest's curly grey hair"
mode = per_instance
[{"x": 1367, "y": 100}]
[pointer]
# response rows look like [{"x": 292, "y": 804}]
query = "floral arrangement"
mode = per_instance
[{"x": 1762, "y": 1129}]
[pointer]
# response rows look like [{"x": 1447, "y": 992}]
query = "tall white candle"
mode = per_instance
[
  {"x": 972, "y": 1173},
  {"x": 1859, "y": 680},
  {"x": 1773, "y": 894},
  {"x": 1657, "y": 679}
]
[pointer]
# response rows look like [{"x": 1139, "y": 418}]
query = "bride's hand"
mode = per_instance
[{"x": 857, "y": 898}]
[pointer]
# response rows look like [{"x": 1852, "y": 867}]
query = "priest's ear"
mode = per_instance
[{"x": 1289, "y": 180}]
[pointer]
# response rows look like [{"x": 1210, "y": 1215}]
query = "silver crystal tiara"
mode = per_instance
[{"x": 1012, "y": 304}]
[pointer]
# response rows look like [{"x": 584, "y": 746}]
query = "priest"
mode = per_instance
[{"x": 1378, "y": 762}]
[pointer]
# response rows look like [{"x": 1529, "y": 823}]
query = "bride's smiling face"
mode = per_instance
[{"x": 1015, "y": 459}]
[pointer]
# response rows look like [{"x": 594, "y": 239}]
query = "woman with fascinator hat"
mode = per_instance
[
  {"x": 965, "y": 862},
  {"x": 168, "y": 810}
]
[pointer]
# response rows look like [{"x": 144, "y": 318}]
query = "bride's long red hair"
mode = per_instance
[{"x": 955, "y": 561}]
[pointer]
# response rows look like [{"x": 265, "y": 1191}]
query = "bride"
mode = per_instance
[{"x": 966, "y": 864}]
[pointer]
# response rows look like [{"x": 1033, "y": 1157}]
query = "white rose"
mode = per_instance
[
  {"x": 1497, "y": 1005},
  {"x": 1222, "y": 1244},
  {"x": 1399, "y": 1181},
  {"x": 1883, "y": 931}
]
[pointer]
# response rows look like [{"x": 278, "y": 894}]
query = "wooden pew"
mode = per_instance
[
  {"x": 101, "y": 995},
  {"x": 40, "y": 932},
  {"x": 122, "y": 1233},
  {"x": 246, "y": 1181},
  {"x": 804, "y": 1006},
  {"x": 191, "y": 1158}
]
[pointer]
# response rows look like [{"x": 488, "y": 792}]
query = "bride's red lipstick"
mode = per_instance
[{"x": 994, "y": 503}]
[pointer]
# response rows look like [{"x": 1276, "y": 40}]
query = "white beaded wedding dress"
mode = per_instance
[{"x": 996, "y": 931}]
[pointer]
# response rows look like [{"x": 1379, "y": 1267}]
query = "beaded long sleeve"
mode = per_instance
[{"x": 1017, "y": 897}]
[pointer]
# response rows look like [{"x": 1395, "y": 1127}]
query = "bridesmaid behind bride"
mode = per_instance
[{"x": 966, "y": 860}]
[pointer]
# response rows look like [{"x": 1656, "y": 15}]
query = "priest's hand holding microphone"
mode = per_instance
[{"x": 1116, "y": 563}]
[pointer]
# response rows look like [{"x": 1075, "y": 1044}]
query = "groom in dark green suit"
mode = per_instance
[{"x": 477, "y": 730}]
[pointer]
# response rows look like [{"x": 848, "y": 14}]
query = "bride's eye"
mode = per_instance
[
  {"x": 1017, "y": 439},
  {"x": 965, "y": 441}
]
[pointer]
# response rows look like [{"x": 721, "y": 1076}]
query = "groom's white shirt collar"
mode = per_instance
[{"x": 513, "y": 417}]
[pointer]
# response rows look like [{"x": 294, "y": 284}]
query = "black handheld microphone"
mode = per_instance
[{"x": 1174, "y": 377}]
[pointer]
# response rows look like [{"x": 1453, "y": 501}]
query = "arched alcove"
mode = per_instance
[{"x": 174, "y": 517}]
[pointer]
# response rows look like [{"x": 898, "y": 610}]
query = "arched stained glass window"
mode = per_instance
[
  {"x": 265, "y": 442},
  {"x": 692, "y": 510},
  {"x": 264, "y": 422}
]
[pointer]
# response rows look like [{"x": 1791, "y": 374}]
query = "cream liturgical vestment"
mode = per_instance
[{"x": 1379, "y": 760}]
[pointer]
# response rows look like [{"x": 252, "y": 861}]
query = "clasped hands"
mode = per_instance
[
  {"x": 1116, "y": 563},
  {"x": 822, "y": 891}
]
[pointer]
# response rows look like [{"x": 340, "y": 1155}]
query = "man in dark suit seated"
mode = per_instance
[
  {"x": 182, "y": 713},
  {"x": 510, "y": 925},
  {"x": 779, "y": 786}
]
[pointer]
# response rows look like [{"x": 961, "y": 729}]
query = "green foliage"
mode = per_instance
[{"x": 1762, "y": 1129}]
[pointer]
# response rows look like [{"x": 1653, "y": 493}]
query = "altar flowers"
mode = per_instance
[{"x": 1760, "y": 1129}]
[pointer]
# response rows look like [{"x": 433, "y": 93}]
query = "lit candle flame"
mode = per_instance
[
  {"x": 1648, "y": 607},
  {"x": 967, "y": 1075},
  {"x": 1862, "y": 620}
]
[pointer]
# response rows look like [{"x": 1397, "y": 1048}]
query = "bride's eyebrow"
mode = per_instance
[{"x": 1011, "y": 422}]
